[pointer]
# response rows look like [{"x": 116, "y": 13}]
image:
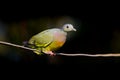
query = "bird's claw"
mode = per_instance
[{"x": 50, "y": 53}]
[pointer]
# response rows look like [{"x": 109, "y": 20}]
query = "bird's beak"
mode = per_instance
[{"x": 74, "y": 29}]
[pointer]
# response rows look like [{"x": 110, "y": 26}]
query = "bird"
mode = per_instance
[{"x": 50, "y": 40}]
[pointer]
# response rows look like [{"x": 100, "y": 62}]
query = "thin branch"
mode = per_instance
[
  {"x": 92, "y": 55},
  {"x": 15, "y": 45},
  {"x": 64, "y": 54}
]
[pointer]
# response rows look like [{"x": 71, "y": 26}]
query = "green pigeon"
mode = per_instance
[{"x": 50, "y": 40}]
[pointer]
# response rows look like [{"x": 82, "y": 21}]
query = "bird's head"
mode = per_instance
[{"x": 68, "y": 27}]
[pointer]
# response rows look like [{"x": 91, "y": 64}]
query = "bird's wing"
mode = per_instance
[{"x": 42, "y": 39}]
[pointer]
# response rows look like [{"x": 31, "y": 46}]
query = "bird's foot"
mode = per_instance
[{"x": 50, "y": 53}]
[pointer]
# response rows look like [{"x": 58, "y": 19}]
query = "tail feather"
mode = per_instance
[{"x": 25, "y": 43}]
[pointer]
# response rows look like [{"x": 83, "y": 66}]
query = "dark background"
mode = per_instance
[{"x": 99, "y": 30}]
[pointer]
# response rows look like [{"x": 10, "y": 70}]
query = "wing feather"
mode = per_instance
[{"x": 42, "y": 39}]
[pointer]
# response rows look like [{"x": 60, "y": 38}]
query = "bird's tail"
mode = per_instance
[{"x": 25, "y": 43}]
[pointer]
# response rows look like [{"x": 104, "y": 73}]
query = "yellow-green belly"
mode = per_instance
[{"x": 57, "y": 43}]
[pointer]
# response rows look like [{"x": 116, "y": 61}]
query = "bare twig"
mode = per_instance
[
  {"x": 15, "y": 45},
  {"x": 80, "y": 54},
  {"x": 92, "y": 55}
]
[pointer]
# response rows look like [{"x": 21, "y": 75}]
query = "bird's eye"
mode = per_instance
[{"x": 67, "y": 26}]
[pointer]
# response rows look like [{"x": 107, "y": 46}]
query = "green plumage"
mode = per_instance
[
  {"x": 41, "y": 40},
  {"x": 49, "y": 40}
]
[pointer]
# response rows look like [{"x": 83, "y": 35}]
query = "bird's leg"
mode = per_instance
[{"x": 49, "y": 53}]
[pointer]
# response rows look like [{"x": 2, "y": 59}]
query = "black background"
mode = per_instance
[{"x": 99, "y": 19}]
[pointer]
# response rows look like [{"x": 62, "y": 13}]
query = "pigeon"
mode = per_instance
[{"x": 50, "y": 40}]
